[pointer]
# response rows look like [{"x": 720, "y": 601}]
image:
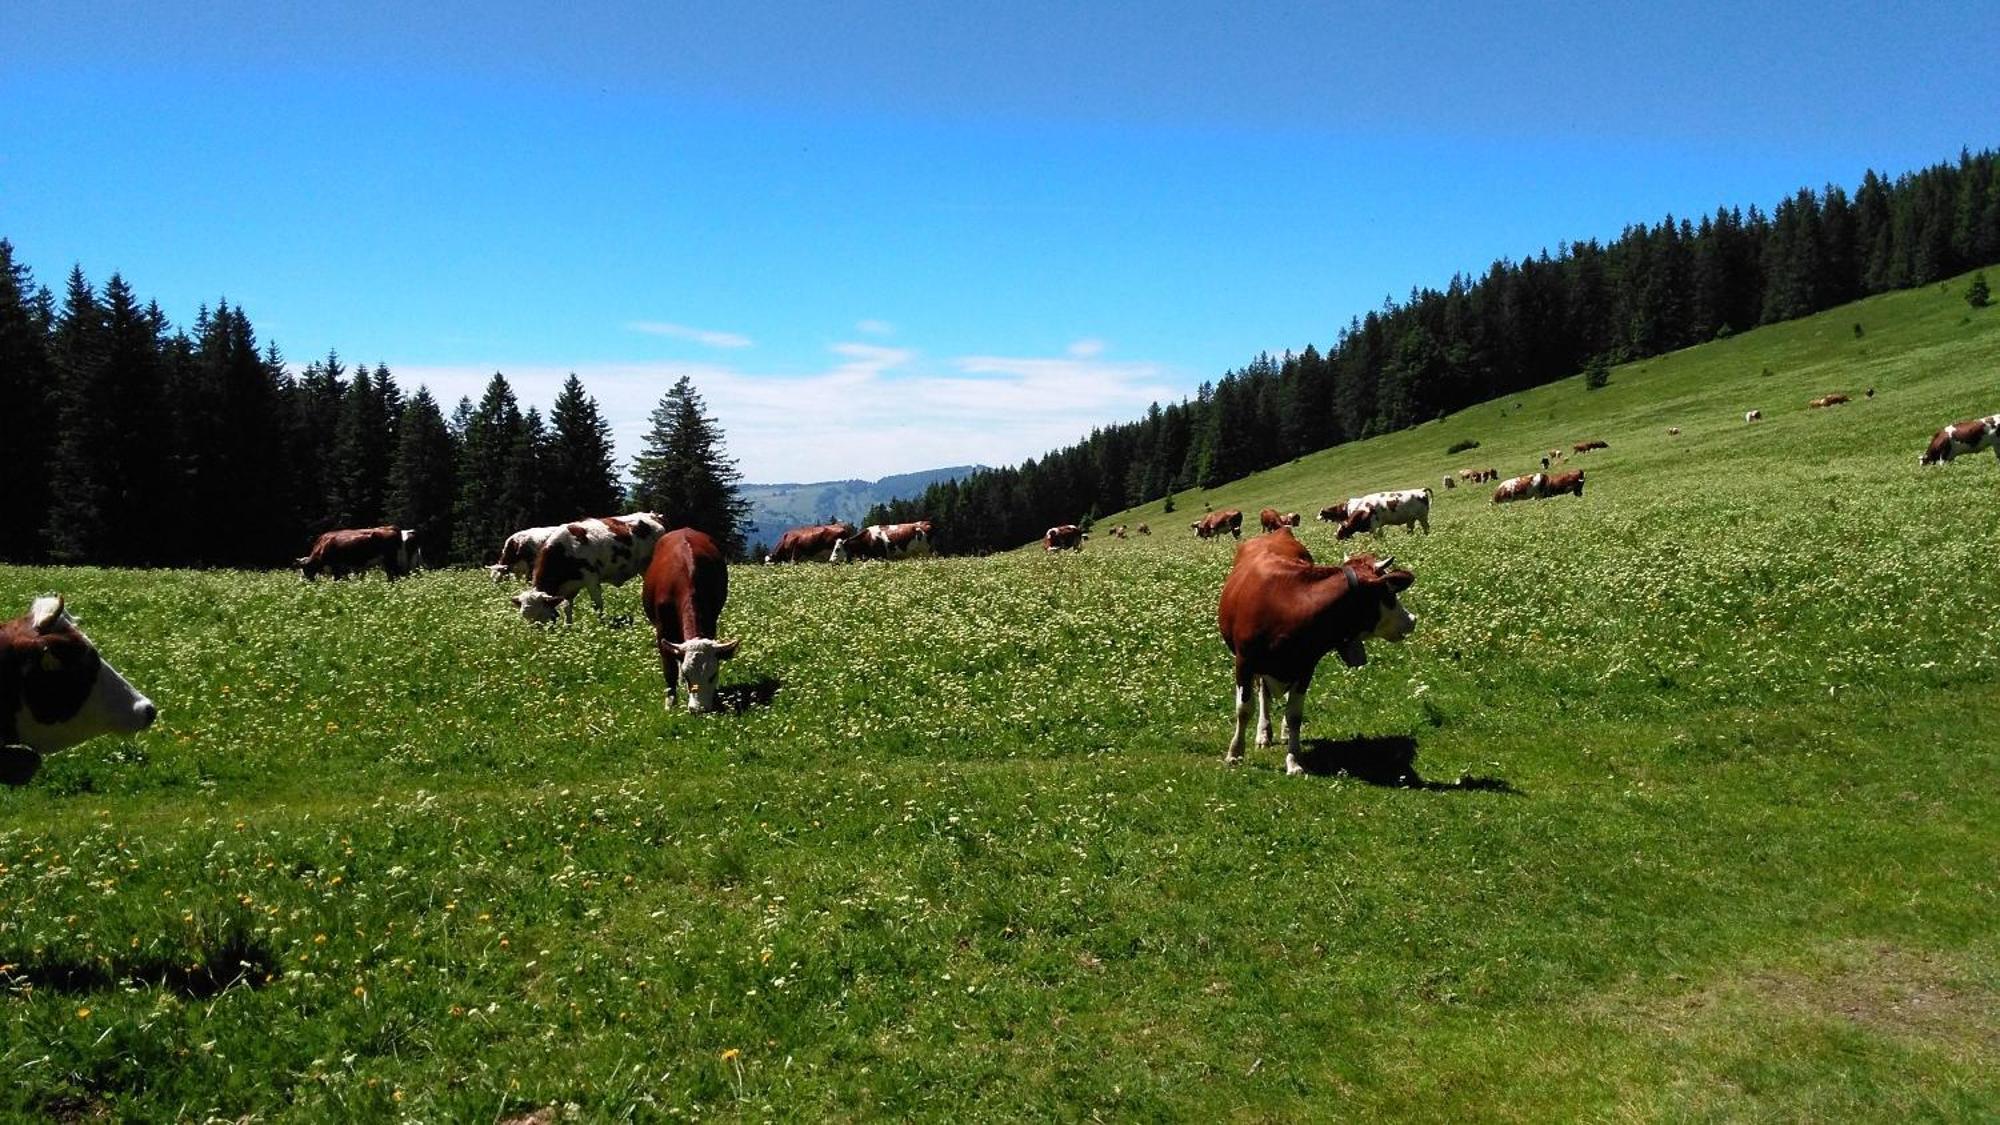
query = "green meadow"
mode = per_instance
[{"x": 1683, "y": 802}]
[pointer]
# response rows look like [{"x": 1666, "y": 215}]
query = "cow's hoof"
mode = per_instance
[
  {"x": 1263, "y": 738},
  {"x": 670, "y": 705},
  {"x": 1292, "y": 766},
  {"x": 1232, "y": 759}
]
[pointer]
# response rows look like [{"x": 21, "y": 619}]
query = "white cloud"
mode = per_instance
[
  {"x": 700, "y": 336},
  {"x": 871, "y": 412},
  {"x": 1086, "y": 349},
  {"x": 875, "y": 328}
]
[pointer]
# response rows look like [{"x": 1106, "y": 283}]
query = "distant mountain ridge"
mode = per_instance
[{"x": 775, "y": 507}]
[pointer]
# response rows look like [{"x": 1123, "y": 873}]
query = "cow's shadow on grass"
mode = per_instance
[
  {"x": 1386, "y": 760},
  {"x": 738, "y": 698}
]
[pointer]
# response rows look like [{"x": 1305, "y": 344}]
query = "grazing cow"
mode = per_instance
[
  {"x": 1144, "y": 529},
  {"x": 1215, "y": 523},
  {"x": 1332, "y": 513},
  {"x": 1539, "y": 486},
  {"x": 1450, "y": 481},
  {"x": 1827, "y": 400},
  {"x": 1489, "y": 474},
  {"x": 1753, "y": 416},
  {"x": 1280, "y": 614},
  {"x": 589, "y": 554},
  {"x": 518, "y": 553},
  {"x": 885, "y": 541},
  {"x": 1593, "y": 443},
  {"x": 1118, "y": 532},
  {"x": 687, "y": 580},
  {"x": 56, "y": 691},
  {"x": 347, "y": 550},
  {"x": 1063, "y": 537},
  {"x": 815, "y": 543},
  {"x": 1673, "y": 431},
  {"x": 1377, "y": 510},
  {"x": 1969, "y": 436},
  {"x": 1271, "y": 518}
]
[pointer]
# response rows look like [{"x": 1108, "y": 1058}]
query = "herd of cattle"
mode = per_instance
[{"x": 1279, "y": 613}]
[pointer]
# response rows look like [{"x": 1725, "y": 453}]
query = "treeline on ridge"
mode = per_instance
[
  {"x": 129, "y": 442},
  {"x": 1657, "y": 288}
]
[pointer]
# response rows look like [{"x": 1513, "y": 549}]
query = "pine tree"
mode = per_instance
[
  {"x": 27, "y": 404},
  {"x": 358, "y": 468},
  {"x": 1977, "y": 294},
  {"x": 77, "y": 521},
  {"x": 423, "y": 484},
  {"x": 582, "y": 471},
  {"x": 486, "y": 446},
  {"x": 137, "y": 493},
  {"x": 683, "y": 474}
]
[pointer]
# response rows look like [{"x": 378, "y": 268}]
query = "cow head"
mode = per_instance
[
  {"x": 537, "y": 607},
  {"x": 1375, "y": 583},
  {"x": 1360, "y": 519},
  {"x": 840, "y": 553},
  {"x": 60, "y": 691},
  {"x": 701, "y": 666}
]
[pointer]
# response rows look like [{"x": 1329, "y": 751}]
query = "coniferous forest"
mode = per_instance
[{"x": 128, "y": 441}]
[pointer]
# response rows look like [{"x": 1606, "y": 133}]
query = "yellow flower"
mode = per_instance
[
  {"x": 731, "y": 1055},
  {"x": 84, "y": 1014}
]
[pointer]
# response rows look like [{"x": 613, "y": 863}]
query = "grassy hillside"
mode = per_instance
[
  {"x": 1678, "y": 804},
  {"x": 775, "y": 507}
]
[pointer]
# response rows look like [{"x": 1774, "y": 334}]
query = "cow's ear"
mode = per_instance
[
  {"x": 727, "y": 649},
  {"x": 1399, "y": 580},
  {"x": 671, "y": 649},
  {"x": 46, "y": 612}
]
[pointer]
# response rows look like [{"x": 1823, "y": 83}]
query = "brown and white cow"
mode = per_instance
[
  {"x": 1063, "y": 537},
  {"x": 1824, "y": 401},
  {"x": 814, "y": 543},
  {"x": 518, "y": 553},
  {"x": 1332, "y": 513},
  {"x": 1271, "y": 518},
  {"x": 1410, "y": 507},
  {"x": 1593, "y": 443},
  {"x": 1118, "y": 532},
  {"x": 1673, "y": 431},
  {"x": 1969, "y": 436},
  {"x": 1215, "y": 523},
  {"x": 1540, "y": 486},
  {"x": 1280, "y": 614},
  {"x": 885, "y": 541},
  {"x": 586, "y": 556},
  {"x": 57, "y": 691},
  {"x": 687, "y": 580},
  {"x": 1144, "y": 529},
  {"x": 348, "y": 550}
]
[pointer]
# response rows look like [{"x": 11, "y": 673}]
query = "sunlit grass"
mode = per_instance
[{"x": 1702, "y": 828}]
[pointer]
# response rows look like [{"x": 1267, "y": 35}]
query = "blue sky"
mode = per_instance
[{"x": 889, "y": 236}]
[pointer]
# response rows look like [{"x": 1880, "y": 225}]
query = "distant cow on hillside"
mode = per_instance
[
  {"x": 815, "y": 543},
  {"x": 1753, "y": 416},
  {"x": 1969, "y": 436},
  {"x": 1410, "y": 507},
  {"x": 1063, "y": 537},
  {"x": 1587, "y": 446},
  {"x": 1144, "y": 529},
  {"x": 1215, "y": 523},
  {"x": 885, "y": 541},
  {"x": 1272, "y": 519},
  {"x": 1827, "y": 400},
  {"x": 1540, "y": 486},
  {"x": 347, "y": 550}
]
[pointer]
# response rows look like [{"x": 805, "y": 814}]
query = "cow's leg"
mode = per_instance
[
  {"x": 670, "y": 668},
  {"x": 1295, "y": 712},
  {"x": 1263, "y": 711},
  {"x": 596, "y": 593},
  {"x": 1235, "y": 751}
]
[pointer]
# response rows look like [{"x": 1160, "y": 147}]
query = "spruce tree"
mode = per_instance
[
  {"x": 582, "y": 472},
  {"x": 358, "y": 468},
  {"x": 486, "y": 445},
  {"x": 683, "y": 474},
  {"x": 76, "y": 527},
  {"x": 27, "y": 406},
  {"x": 423, "y": 483}
]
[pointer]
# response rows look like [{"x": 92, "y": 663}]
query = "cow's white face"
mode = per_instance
[
  {"x": 839, "y": 554},
  {"x": 701, "y": 667},
  {"x": 70, "y": 693},
  {"x": 537, "y": 607}
]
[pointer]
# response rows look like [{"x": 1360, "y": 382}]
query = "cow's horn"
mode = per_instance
[{"x": 1382, "y": 565}]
